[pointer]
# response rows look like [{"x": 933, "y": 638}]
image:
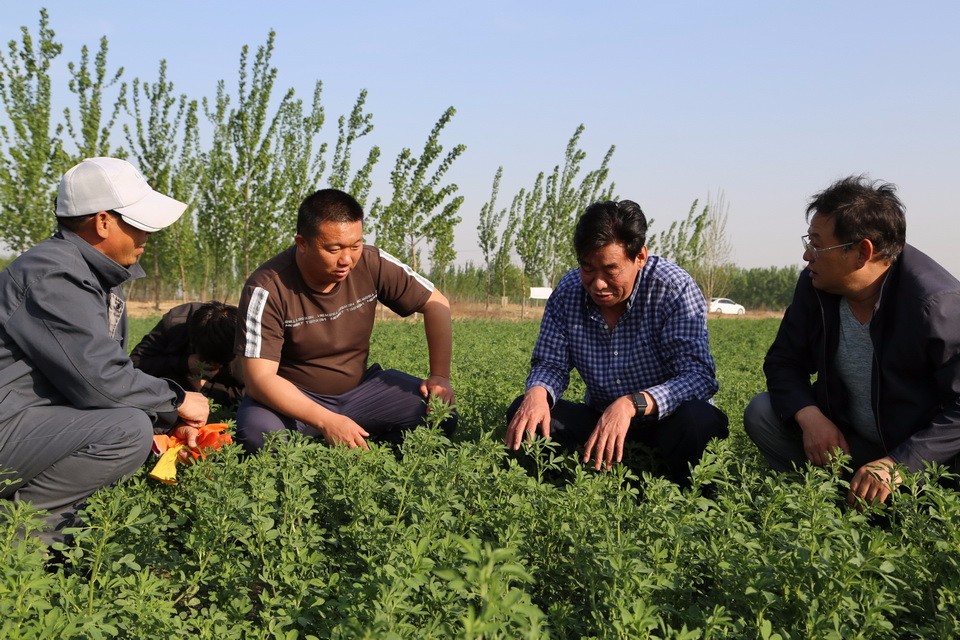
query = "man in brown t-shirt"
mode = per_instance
[{"x": 303, "y": 337}]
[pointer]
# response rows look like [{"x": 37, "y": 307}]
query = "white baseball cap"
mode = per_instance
[{"x": 111, "y": 184}]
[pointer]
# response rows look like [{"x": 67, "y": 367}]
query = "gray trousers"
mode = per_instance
[
  {"x": 55, "y": 456},
  {"x": 386, "y": 403},
  {"x": 781, "y": 443}
]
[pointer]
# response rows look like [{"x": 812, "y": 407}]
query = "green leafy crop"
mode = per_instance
[{"x": 463, "y": 539}]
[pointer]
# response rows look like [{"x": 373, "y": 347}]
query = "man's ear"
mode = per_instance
[
  {"x": 865, "y": 252},
  {"x": 642, "y": 257},
  {"x": 96, "y": 228}
]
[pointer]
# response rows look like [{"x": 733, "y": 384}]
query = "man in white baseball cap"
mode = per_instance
[{"x": 75, "y": 415}]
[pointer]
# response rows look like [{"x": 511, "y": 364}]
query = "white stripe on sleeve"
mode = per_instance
[
  {"x": 254, "y": 323},
  {"x": 419, "y": 278}
]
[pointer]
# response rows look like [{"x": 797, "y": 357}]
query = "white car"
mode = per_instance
[{"x": 726, "y": 306}]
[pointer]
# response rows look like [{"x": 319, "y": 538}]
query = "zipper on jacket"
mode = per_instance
[
  {"x": 875, "y": 380},
  {"x": 826, "y": 387}
]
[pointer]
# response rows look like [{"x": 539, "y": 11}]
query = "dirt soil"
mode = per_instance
[{"x": 461, "y": 311}]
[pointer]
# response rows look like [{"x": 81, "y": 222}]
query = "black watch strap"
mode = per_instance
[{"x": 640, "y": 402}]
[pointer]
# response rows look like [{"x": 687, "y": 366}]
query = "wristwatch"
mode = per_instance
[{"x": 640, "y": 402}]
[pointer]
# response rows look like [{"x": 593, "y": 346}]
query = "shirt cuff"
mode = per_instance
[{"x": 178, "y": 391}]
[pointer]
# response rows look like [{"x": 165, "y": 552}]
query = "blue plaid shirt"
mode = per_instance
[{"x": 659, "y": 344}]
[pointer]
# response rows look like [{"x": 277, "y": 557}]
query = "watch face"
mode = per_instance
[{"x": 640, "y": 402}]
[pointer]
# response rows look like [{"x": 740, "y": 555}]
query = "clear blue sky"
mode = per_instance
[{"x": 767, "y": 101}]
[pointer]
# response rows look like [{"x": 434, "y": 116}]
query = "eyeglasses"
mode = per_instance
[{"x": 805, "y": 240}]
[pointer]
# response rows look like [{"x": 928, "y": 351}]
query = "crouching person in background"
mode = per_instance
[
  {"x": 303, "y": 336},
  {"x": 634, "y": 326},
  {"x": 75, "y": 415},
  {"x": 193, "y": 346}
]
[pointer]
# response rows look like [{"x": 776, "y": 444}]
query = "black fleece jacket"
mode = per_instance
[{"x": 916, "y": 365}]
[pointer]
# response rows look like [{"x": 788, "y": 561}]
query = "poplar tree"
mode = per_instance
[
  {"x": 351, "y": 129},
  {"x": 566, "y": 200},
  {"x": 262, "y": 163},
  {"x": 32, "y": 157},
  {"x": 164, "y": 142},
  {"x": 440, "y": 231},
  {"x": 713, "y": 271},
  {"x": 488, "y": 231},
  {"x": 259, "y": 166},
  {"x": 411, "y": 217},
  {"x": 216, "y": 199},
  {"x": 501, "y": 261},
  {"x": 262, "y": 184},
  {"x": 683, "y": 241},
  {"x": 529, "y": 208},
  {"x": 88, "y": 129}
]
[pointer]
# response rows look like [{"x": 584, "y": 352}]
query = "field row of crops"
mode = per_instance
[{"x": 462, "y": 539}]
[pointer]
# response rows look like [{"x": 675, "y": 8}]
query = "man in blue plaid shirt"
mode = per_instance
[{"x": 634, "y": 326}]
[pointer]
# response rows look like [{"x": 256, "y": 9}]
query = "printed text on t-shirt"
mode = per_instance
[{"x": 333, "y": 315}]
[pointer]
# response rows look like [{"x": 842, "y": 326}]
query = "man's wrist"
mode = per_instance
[
  {"x": 639, "y": 403},
  {"x": 644, "y": 405},
  {"x": 808, "y": 415}
]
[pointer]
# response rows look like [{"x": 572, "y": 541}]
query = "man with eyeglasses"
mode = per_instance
[
  {"x": 75, "y": 415},
  {"x": 876, "y": 321}
]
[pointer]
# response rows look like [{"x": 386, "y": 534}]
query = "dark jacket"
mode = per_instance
[
  {"x": 916, "y": 365},
  {"x": 63, "y": 332},
  {"x": 164, "y": 352}
]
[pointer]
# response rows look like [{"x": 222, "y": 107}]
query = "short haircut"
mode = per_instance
[
  {"x": 607, "y": 222},
  {"x": 864, "y": 209},
  {"x": 211, "y": 330},
  {"x": 74, "y": 223},
  {"x": 326, "y": 205}
]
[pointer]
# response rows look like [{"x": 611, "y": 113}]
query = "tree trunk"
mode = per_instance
[{"x": 523, "y": 294}]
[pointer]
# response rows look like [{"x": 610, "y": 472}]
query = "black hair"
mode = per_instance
[
  {"x": 75, "y": 222},
  {"x": 864, "y": 209},
  {"x": 211, "y": 330},
  {"x": 326, "y": 205},
  {"x": 603, "y": 223}
]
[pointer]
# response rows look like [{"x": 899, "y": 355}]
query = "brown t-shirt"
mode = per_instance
[{"x": 322, "y": 340}]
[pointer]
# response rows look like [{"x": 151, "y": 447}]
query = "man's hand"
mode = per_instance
[
  {"x": 820, "y": 436},
  {"x": 606, "y": 441},
  {"x": 195, "y": 410},
  {"x": 438, "y": 386},
  {"x": 872, "y": 482},
  {"x": 338, "y": 428},
  {"x": 188, "y": 434},
  {"x": 533, "y": 411}
]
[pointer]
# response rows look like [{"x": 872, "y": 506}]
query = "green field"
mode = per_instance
[{"x": 463, "y": 540}]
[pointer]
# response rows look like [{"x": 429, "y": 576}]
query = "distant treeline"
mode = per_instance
[{"x": 761, "y": 289}]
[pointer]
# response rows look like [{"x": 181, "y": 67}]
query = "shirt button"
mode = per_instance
[
  {"x": 618, "y": 380},
  {"x": 616, "y": 353}
]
